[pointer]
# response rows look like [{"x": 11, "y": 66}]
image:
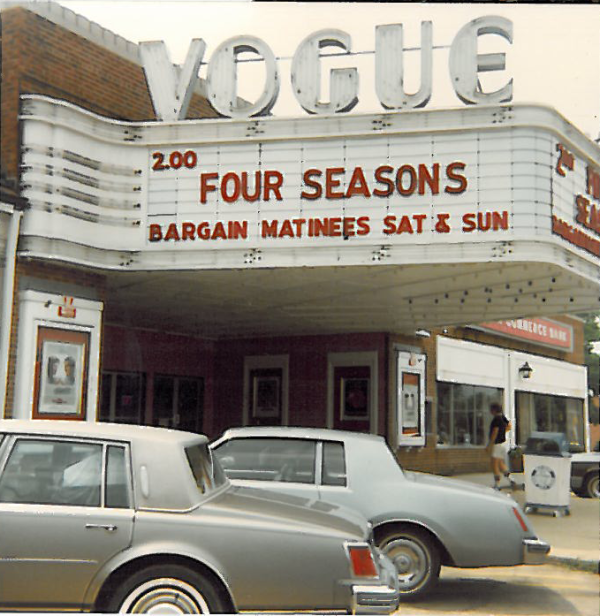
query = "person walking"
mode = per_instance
[{"x": 499, "y": 426}]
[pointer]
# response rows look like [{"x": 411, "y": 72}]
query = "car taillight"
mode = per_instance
[
  {"x": 361, "y": 559},
  {"x": 520, "y": 519}
]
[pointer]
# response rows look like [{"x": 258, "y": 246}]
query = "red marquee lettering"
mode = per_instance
[
  {"x": 188, "y": 230},
  {"x": 451, "y": 173},
  {"x": 273, "y": 183},
  {"x": 235, "y": 195},
  {"x": 331, "y": 183},
  {"x": 308, "y": 181},
  {"x": 154, "y": 233},
  {"x": 205, "y": 187},
  {"x": 358, "y": 184},
  {"x": 593, "y": 183},
  {"x": 172, "y": 233}
]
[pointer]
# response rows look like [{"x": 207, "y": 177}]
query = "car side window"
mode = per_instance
[
  {"x": 117, "y": 482},
  {"x": 334, "y": 465},
  {"x": 52, "y": 472},
  {"x": 269, "y": 459}
]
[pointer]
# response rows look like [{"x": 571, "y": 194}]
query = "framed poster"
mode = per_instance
[
  {"x": 266, "y": 393},
  {"x": 60, "y": 374},
  {"x": 411, "y": 403},
  {"x": 354, "y": 399}
]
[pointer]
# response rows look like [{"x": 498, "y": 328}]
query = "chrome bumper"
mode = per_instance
[
  {"x": 535, "y": 551},
  {"x": 380, "y": 598}
]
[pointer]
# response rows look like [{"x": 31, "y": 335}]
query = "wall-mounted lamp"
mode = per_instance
[
  {"x": 525, "y": 371},
  {"x": 422, "y": 333}
]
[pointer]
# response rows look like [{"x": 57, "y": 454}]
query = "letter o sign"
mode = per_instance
[{"x": 222, "y": 78}]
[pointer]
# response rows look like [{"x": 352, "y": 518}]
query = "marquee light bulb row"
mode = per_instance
[
  {"x": 475, "y": 296},
  {"x": 171, "y": 90}
]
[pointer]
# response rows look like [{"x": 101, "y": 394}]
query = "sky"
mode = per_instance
[{"x": 554, "y": 58}]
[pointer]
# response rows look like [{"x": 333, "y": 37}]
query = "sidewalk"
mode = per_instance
[{"x": 575, "y": 539}]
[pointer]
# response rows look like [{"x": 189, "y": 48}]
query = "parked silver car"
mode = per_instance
[
  {"x": 420, "y": 521},
  {"x": 130, "y": 519}
]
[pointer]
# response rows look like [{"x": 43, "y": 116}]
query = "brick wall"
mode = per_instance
[
  {"x": 159, "y": 353},
  {"x": 41, "y": 57},
  {"x": 308, "y": 361}
]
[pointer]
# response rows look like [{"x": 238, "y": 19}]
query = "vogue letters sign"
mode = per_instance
[{"x": 171, "y": 89}]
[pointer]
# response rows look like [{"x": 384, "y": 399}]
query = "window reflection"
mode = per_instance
[
  {"x": 546, "y": 413},
  {"x": 463, "y": 413}
]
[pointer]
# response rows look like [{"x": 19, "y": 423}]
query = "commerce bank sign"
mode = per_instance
[{"x": 171, "y": 88}]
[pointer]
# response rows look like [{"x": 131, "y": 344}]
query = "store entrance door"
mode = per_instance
[
  {"x": 352, "y": 398},
  {"x": 178, "y": 402}
]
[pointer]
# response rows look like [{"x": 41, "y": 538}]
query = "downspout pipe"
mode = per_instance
[{"x": 7, "y": 298}]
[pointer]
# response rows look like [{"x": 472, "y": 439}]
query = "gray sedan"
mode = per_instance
[
  {"x": 420, "y": 521},
  {"x": 113, "y": 518}
]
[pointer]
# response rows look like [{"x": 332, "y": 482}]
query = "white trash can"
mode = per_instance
[{"x": 547, "y": 471}]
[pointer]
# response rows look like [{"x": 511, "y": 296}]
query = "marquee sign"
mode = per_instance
[
  {"x": 171, "y": 90},
  {"x": 545, "y": 332},
  {"x": 388, "y": 189},
  {"x": 576, "y": 216},
  {"x": 479, "y": 184}
]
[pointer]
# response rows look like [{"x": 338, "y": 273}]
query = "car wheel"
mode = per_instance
[
  {"x": 591, "y": 486},
  {"x": 416, "y": 558},
  {"x": 169, "y": 589}
]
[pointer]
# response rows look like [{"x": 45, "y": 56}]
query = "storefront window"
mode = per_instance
[
  {"x": 122, "y": 397},
  {"x": 463, "y": 413},
  {"x": 545, "y": 413}
]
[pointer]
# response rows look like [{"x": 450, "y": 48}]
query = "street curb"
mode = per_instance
[{"x": 592, "y": 566}]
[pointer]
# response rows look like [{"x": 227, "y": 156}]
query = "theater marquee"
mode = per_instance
[{"x": 477, "y": 183}]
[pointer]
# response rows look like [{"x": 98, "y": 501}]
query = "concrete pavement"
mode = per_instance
[{"x": 575, "y": 539}]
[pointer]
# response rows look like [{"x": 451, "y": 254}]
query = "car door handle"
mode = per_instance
[{"x": 111, "y": 528}]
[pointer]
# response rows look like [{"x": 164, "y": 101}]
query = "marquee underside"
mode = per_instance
[{"x": 334, "y": 300}]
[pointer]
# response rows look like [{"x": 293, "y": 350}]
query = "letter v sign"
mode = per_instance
[{"x": 170, "y": 86}]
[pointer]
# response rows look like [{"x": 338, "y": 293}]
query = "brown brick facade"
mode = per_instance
[{"x": 41, "y": 57}]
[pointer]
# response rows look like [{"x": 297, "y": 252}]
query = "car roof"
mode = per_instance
[
  {"x": 99, "y": 430},
  {"x": 299, "y": 432}
]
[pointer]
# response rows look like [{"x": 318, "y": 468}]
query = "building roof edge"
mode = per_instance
[{"x": 80, "y": 25}]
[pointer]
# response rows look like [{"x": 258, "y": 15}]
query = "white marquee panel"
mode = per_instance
[{"x": 90, "y": 181}]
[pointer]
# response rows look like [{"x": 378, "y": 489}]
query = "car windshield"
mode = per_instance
[{"x": 206, "y": 469}]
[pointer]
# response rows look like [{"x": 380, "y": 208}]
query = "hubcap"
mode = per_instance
[
  {"x": 165, "y": 596},
  {"x": 411, "y": 562},
  {"x": 595, "y": 487}
]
